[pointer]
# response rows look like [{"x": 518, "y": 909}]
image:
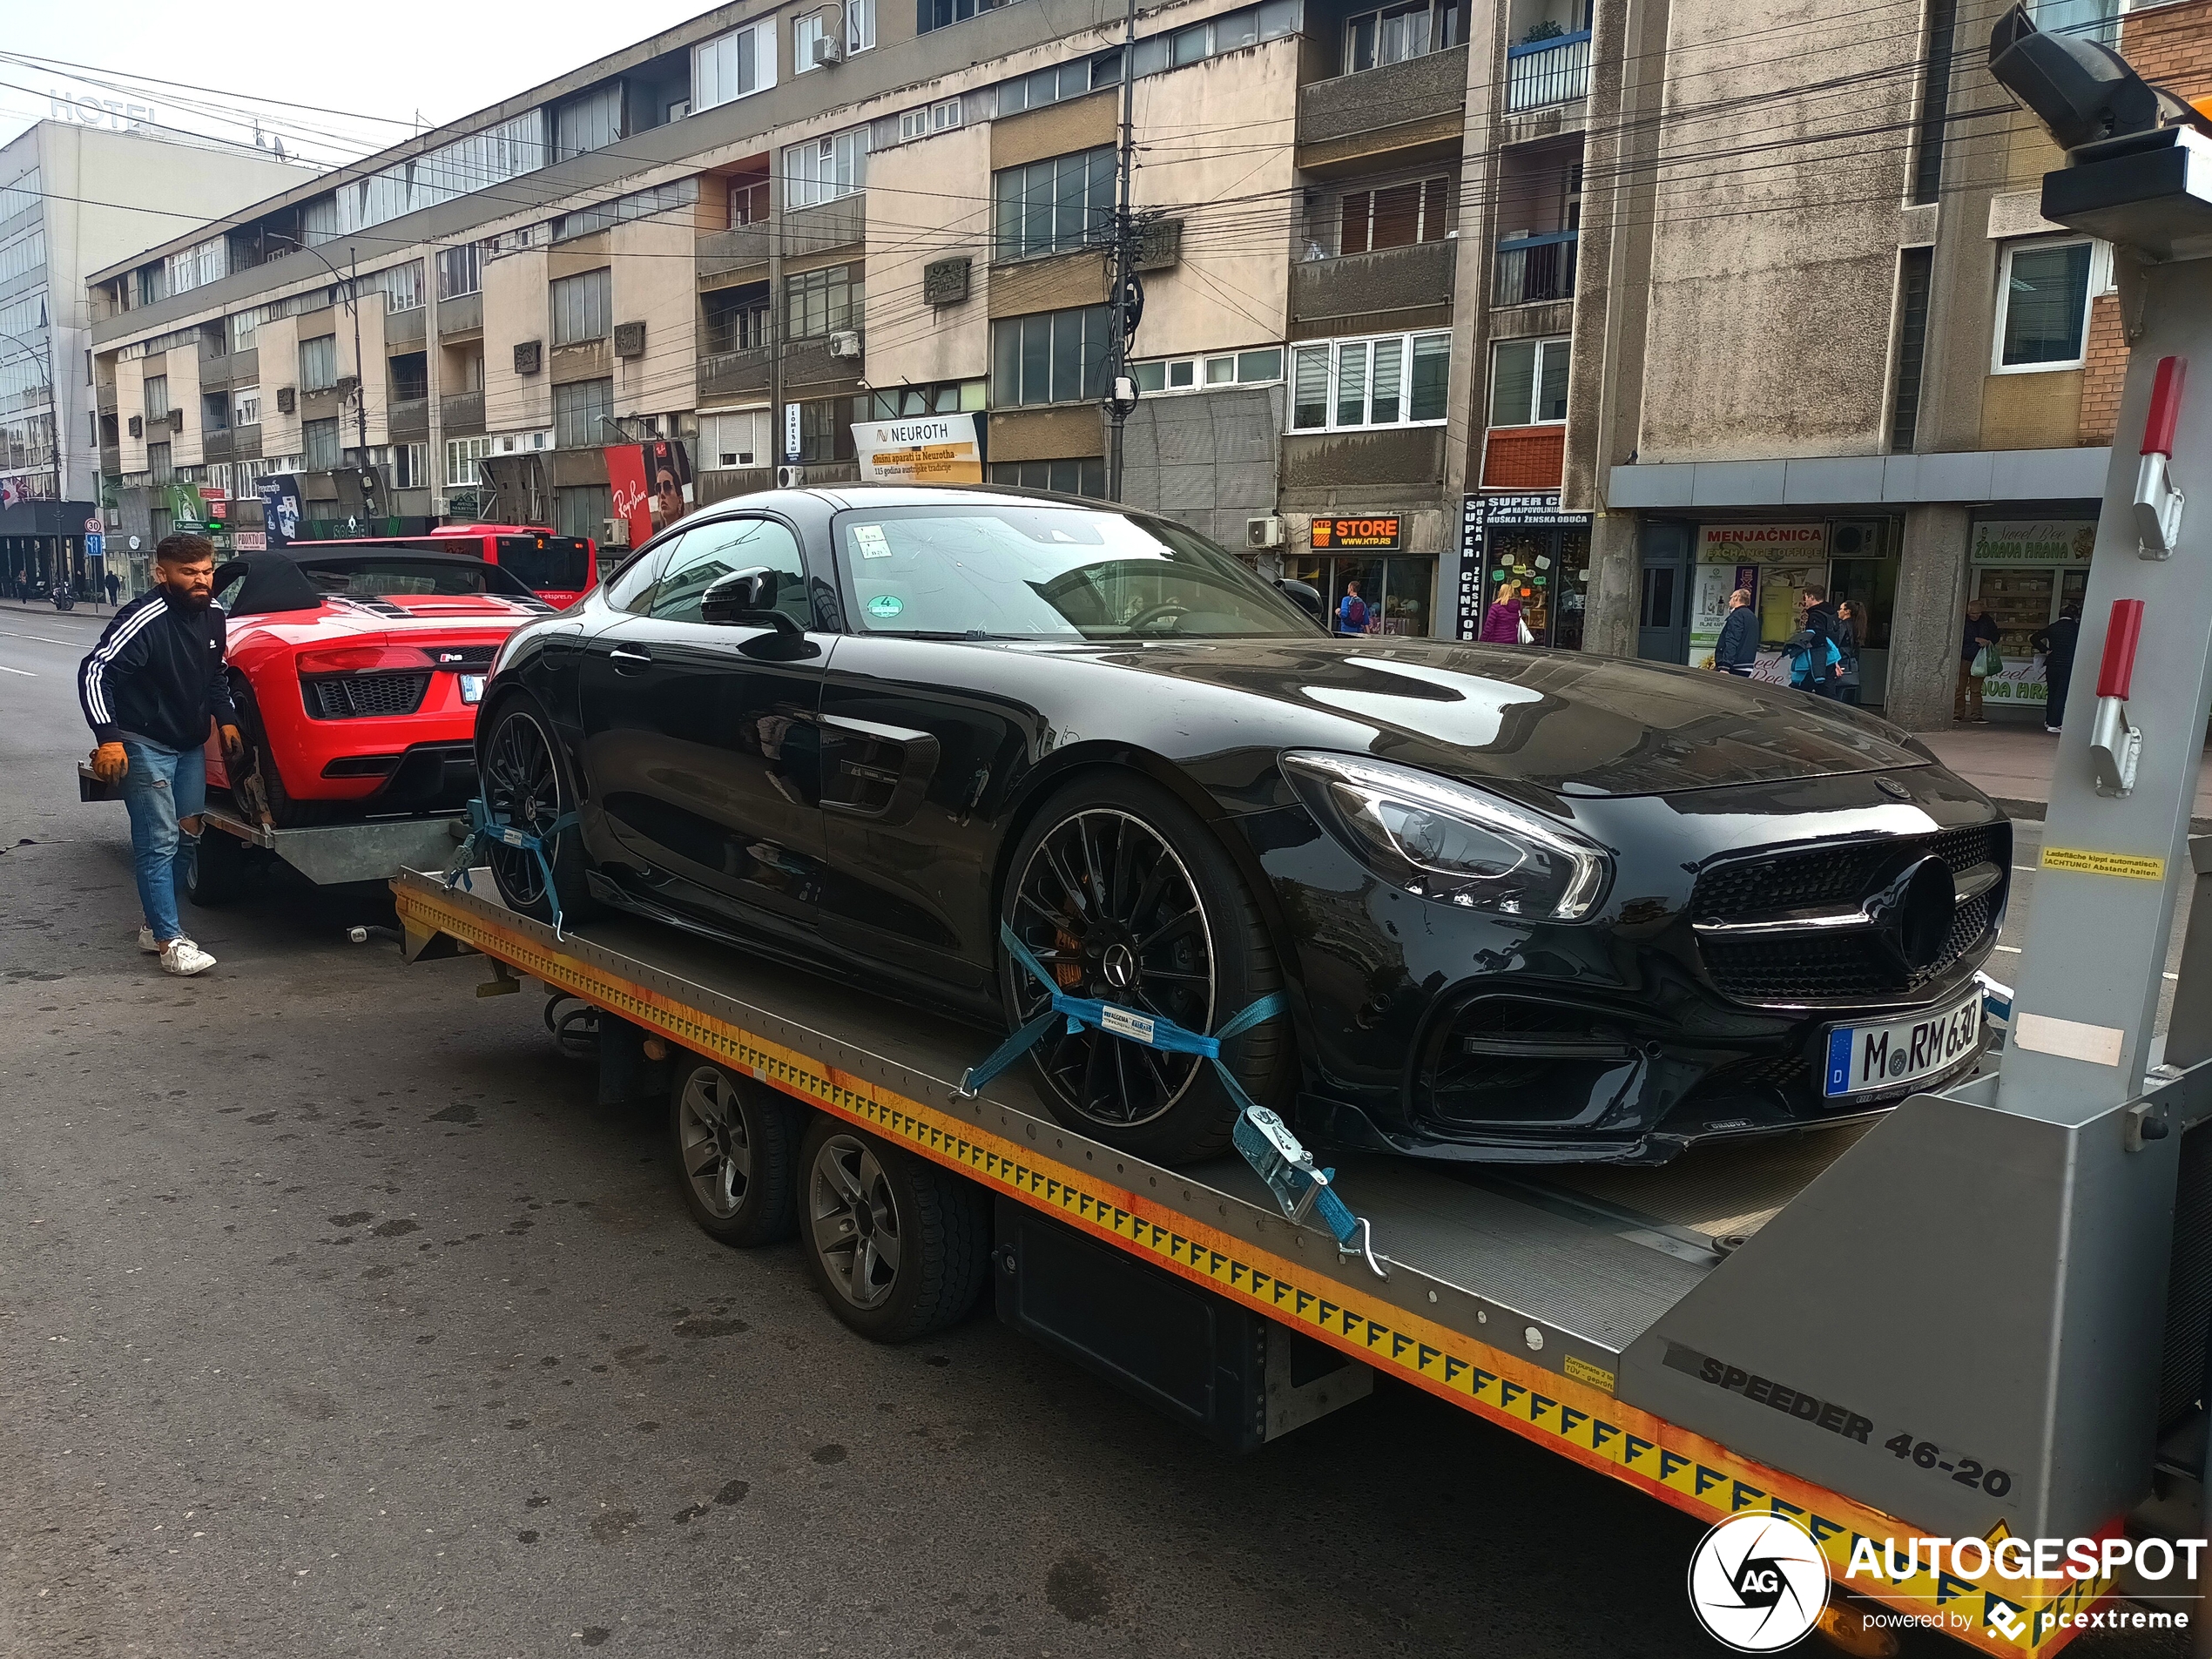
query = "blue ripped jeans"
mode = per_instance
[{"x": 162, "y": 786}]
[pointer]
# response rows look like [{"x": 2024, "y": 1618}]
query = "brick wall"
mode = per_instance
[{"x": 2171, "y": 45}]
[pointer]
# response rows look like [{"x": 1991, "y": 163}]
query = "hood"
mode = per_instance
[{"x": 1558, "y": 721}]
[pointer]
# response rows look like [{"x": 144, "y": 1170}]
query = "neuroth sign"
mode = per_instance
[{"x": 927, "y": 450}]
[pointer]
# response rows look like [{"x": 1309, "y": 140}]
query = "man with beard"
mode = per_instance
[{"x": 148, "y": 689}]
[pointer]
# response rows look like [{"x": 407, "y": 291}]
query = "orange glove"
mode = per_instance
[
  {"x": 233, "y": 745},
  {"x": 109, "y": 763}
]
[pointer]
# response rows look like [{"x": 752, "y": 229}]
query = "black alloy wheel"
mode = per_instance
[
  {"x": 899, "y": 1246},
  {"x": 217, "y": 872},
  {"x": 736, "y": 1148},
  {"x": 525, "y": 784},
  {"x": 1124, "y": 896}
]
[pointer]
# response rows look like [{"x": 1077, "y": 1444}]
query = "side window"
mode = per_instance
[
  {"x": 709, "y": 552},
  {"x": 632, "y": 589}
]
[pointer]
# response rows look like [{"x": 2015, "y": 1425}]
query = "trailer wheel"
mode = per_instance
[
  {"x": 737, "y": 1152},
  {"x": 217, "y": 870},
  {"x": 899, "y": 1247}
]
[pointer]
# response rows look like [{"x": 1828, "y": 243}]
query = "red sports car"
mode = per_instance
[{"x": 357, "y": 671}]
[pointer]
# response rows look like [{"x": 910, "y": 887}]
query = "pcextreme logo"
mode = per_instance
[{"x": 1757, "y": 1583}]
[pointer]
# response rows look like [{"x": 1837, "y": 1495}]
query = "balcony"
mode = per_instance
[
  {"x": 462, "y": 315},
  {"x": 215, "y": 447},
  {"x": 1543, "y": 73},
  {"x": 1392, "y": 279},
  {"x": 111, "y": 461},
  {"x": 585, "y": 359},
  {"x": 246, "y": 443},
  {"x": 841, "y": 223},
  {"x": 404, "y": 327},
  {"x": 1531, "y": 270},
  {"x": 725, "y": 258},
  {"x": 1398, "y": 110},
  {"x": 214, "y": 369},
  {"x": 461, "y": 413},
  {"x": 246, "y": 366},
  {"x": 734, "y": 374},
  {"x": 407, "y": 419}
]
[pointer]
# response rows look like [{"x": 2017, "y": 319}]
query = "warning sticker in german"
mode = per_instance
[{"x": 2083, "y": 862}]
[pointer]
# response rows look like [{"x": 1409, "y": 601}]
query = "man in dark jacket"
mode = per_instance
[
  {"x": 149, "y": 689},
  {"x": 1737, "y": 652},
  {"x": 1980, "y": 630},
  {"x": 2057, "y": 642},
  {"x": 1820, "y": 626}
]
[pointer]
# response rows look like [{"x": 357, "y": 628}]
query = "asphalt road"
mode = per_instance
[{"x": 335, "y": 1318}]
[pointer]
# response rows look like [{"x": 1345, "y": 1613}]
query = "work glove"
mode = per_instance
[
  {"x": 233, "y": 745},
  {"x": 109, "y": 763}
]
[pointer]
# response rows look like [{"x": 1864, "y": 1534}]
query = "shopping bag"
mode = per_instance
[{"x": 1987, "y": 662}]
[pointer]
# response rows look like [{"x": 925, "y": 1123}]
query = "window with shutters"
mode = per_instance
[
  {"x": 1394, "y": 380},
  {"x": 1393, "y": 216}
]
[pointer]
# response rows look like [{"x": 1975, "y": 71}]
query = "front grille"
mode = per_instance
[
  {"x": 1515, "y": 1060},
  {"x": 354, "y": 696},
  {"x": 1765, "y": 1071},
  {"x": 1810, "y": 967}
]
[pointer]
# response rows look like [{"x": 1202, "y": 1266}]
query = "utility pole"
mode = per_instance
[
  {"x": 360, "y": 368},
  {"x": 1121, "y": 390}
]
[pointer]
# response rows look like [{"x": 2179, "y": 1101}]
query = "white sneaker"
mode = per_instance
[
  {"x": 148, "y": 943},
  {"x": 184, "y": 959}
]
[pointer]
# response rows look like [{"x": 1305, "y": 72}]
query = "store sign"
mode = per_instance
[
  {"x": 2033, "y": 541},
  {"x": 1379, "y": 533},
  {"x": 928, "y": 449},
  {"x": 250, "y": 541},
  {"x": 1484, "y": 517},
  {"x": 1763, "y": 544}
]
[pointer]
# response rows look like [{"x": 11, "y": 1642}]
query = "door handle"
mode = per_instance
[{"x": 628, "y": 659}]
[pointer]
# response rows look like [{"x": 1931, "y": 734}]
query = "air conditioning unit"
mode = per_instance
[
  {"x": 137, "y": 426},
  {"x": 791, "y": 477},
  {"x": 846, "y": 345},
  {"x": 176, "y": 420},
  {"x": 615, "y": 533},
  {"x": 287, "y": 399},
  {"x": 1263, "y": 532},
  {"x": 827, "y": 49}
]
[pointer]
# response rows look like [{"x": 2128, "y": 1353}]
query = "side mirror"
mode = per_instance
[
  {"x": 746, "y": 599},
  {"x": 1305, "y": 596}
]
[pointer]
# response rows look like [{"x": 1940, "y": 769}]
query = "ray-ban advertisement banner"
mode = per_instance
[{"x": 649, "y": 485}]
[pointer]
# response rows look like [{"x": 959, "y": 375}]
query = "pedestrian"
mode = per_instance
[
  {"x": 1501, "y": 624},
  {"x": 2057, "y": 644},
  {"x": 114, "y": 587},
  {"x": 1815, "y": 638},
  {"x": 148, "y": 689},
  {"x": 1981, "y": 632},
  {"x": 1351, "y": 611},
  {"x": 1737, "y": 653},
  {"x": 1850, "y": 630}
]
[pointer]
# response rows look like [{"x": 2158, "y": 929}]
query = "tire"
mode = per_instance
[
  {"x": 524, "y": 774},
  {"x": 1156, "y": 862},
  {"x": 923, "y": 1255},
  {"x": 260, "y": 763},
  {"x": 219, "y": 870},
  {"x": 736, "y": 1146}
]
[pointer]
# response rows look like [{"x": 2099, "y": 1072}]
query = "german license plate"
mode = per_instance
[
  {"x": 1865, "y": 1059},
  {"x": 472, "y": 688}
]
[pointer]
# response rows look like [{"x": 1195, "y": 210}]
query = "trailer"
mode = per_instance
[
  {"x": 1803, "y": 1327},
  {"x": 235, "y": 845}
]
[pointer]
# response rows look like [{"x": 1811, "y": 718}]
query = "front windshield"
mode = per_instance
[{"x": 1012, "y": 569}]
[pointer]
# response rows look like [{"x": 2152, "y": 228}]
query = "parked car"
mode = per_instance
[
  {"x": 559, "y": 570},
  {"x": 357, "y": 671},
  {"x": 1524, "y": 905}
]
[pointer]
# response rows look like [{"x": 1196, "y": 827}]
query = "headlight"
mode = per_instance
[{"x": 1443, "y": 840}]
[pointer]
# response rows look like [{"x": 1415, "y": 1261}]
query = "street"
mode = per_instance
[{"x": 338, "y": 1319}]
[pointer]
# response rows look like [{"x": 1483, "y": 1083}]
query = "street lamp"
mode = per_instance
[{"x": 353, "y": 310}]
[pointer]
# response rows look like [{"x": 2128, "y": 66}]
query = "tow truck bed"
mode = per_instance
[{"x": 1515, "y": 1297}]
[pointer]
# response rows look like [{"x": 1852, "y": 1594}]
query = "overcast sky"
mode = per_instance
[{"x": 236, "y": 58}]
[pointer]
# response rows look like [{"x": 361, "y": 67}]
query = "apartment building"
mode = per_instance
[
  {"x": 1597, "y": 298},
  {"x": 72, "y": 198}
]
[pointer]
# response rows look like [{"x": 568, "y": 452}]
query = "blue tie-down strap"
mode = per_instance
[
  {"x": 1996, "y": 1000},
  {"x": 1259, "y": 1134},
  {"x": 486, "y": 826}
]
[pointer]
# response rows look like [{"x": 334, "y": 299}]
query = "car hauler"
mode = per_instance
[{"x": 1676, "y": 1329}]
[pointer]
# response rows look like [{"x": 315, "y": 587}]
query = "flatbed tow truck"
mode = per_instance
[{"x": 1963, "y": 1347}]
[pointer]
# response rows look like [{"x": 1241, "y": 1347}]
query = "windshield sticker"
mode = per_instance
[
  {"x": 886, "y": 605},
  {"x": 873, "y": 543}
]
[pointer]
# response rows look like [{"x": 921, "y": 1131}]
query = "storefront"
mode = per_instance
[
  {"x": 1526, "y": 540},
  {"x": 1399, "y": 588},
  {"x": 2025, "y": 570},
  {"x": 1851, "y": 559}
]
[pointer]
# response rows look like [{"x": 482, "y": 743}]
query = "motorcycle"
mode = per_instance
[{"x": 64, "y": 597}]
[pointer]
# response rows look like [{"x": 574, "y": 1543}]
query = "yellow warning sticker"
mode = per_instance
[
  {"x": 2083, "y": 862},
  {"x": 1583, "y": 1370}
]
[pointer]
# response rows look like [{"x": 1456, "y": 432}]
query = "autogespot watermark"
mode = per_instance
[{"x": 1759, "y": 1583}]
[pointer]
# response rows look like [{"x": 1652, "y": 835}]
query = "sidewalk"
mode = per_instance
[{"x": 2012, "y": 765}]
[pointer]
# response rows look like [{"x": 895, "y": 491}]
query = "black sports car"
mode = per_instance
[{"x": 1522, "y": 905}]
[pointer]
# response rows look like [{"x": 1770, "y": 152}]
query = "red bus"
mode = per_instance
[{"x": 560, "y": 569}]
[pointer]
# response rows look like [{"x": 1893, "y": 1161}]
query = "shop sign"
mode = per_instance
[
  {"x": 1494, "y": 511},
  {"x": 1375, "y": 533},
  {"x": 927, "y": 450},
  {"x": 250, "y": 541},
  {"x": 1763, "y": 544},
  {"x": 2033, "y": 541}
]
